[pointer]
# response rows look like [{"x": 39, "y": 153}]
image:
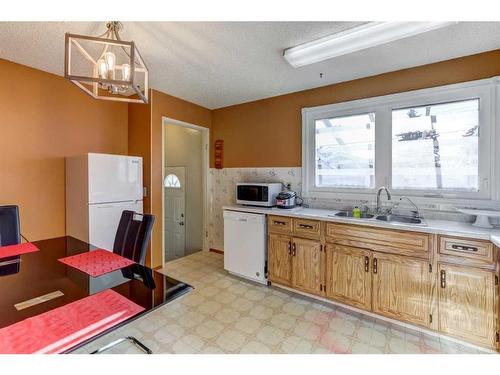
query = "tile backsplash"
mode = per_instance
[
  {"x": 222, "y": 184},
  {"x": 223, "y": 192}
]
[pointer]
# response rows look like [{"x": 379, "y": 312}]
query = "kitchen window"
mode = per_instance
[
  {"x": 345, "y": 151},
  {"x": 436, "y": 147},
  {"x": 432, "y": 143}
]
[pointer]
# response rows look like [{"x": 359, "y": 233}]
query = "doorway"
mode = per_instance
[{"x": 185, "y": 173}]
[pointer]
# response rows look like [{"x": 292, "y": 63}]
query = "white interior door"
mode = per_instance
[{"x": 175, "y": 212}]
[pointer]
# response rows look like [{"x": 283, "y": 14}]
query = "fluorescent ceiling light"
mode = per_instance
[{"x": 358, "y": 38}]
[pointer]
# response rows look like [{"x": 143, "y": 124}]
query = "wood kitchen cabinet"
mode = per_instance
[
  {"x": 280, "y": 259},
  {"x": 306, "y": 265},
  {"x": 348, "y": 276},
  {"x": 394, "y": 286},
  {"x": 467, "y": 302},
  {"x": 401, "y": 288},
  {"x": 295, "y": 262},
  {"x": 445, "y": 283}
]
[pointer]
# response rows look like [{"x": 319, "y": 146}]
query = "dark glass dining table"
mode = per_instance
[{"x": 28, "y": 276}]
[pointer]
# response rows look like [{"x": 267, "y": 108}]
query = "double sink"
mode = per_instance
[{"x": 390, "y": 218}]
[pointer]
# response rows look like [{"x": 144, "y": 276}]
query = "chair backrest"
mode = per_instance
[
  {"x": 132, "y": 236},
  {"x": 10, "y": 233}
]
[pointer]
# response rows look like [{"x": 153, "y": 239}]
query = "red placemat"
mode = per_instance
[
  {"x": 18, "y": 249},
  {"x": 97, "y": 262},
  {"x": 61, "y": 329}
]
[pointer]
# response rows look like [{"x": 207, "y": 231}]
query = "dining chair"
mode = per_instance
[
  {"x": 131, "y": 241},
  {"x": 10, "y": 234},
  {"x": 132, "y": 236}
]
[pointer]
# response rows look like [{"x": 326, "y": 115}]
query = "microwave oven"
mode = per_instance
[{"x": 257, "y": 194}]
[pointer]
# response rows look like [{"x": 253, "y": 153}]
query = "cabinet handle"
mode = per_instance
[
  {"x": 305, "y": 226},
  {"x": 294, "y": 248},
  {"x": 464, "y": 248},
  {"x": 375, "y": 268},
  {"x": 278, "y": 222},
  {"x": 289, "y": 247},
  {"x": 367, "y": 264},
  {"x": 443, "y": 279}
]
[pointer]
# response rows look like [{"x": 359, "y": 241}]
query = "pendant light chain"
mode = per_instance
[{"x": 114, "y": 28}]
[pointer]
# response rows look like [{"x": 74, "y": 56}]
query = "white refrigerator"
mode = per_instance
[{"x": 98, "y": 188}]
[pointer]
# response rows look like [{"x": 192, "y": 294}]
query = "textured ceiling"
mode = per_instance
[{"x": 216, "y": 64}]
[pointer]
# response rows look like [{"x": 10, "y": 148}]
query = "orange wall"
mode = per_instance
[
  {"x": 139, "y": 144},
  {"x": 44, "y": 118},
  {"x": 146, "y": 140},
  {"x": 267, "y": 133},
  {"x": 164, "y": 105}
]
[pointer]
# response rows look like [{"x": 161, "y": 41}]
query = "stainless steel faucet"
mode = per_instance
[
  {"x": 416, "y": 213},
  {"x": 379, "y": 191}
]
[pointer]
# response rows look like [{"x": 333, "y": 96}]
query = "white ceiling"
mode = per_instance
[{"x": 216, "y": 64}]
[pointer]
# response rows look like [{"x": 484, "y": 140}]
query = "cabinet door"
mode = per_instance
[
  {"x": 467, "y": 303},
  {"x": 401, "y": 288},
  {"x": 306, "y": 265},
  {"x": 280, "y": 259},
  {"x": 348, "y": 275}
]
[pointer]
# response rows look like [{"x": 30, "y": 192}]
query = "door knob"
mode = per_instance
[{"x": 181, "y": 223}]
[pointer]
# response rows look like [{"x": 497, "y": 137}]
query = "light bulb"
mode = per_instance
[
  {"x": 125, "y": 72},
  {"x": 102, "y": 68},
  {"x": 110, "y": 59}
]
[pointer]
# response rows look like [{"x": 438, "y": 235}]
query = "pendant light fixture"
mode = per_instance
[{"x": 106, "y": 67}]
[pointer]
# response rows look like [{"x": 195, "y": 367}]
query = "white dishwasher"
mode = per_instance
[{"x": 245, "y": 246}]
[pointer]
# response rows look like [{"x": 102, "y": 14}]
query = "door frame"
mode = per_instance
[{"x": 205, "y": 138}]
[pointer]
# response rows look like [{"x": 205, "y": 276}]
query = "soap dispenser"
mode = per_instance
[{"x": 356, "y": 212}]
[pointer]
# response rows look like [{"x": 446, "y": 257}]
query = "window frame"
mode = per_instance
[
  {"x": 176, "y": 181},
  {"x": 487, "y": 91}
]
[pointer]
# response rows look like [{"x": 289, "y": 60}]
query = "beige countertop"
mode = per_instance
[{"x": 450, "y": 228}]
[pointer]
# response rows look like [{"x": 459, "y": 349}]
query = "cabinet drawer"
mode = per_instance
[
  {"x": 379, "y": 239},
  {"x": 466, "y": 248},
  {"x": 309, "y": 228},
  {"x": 280, "y": 224}
]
